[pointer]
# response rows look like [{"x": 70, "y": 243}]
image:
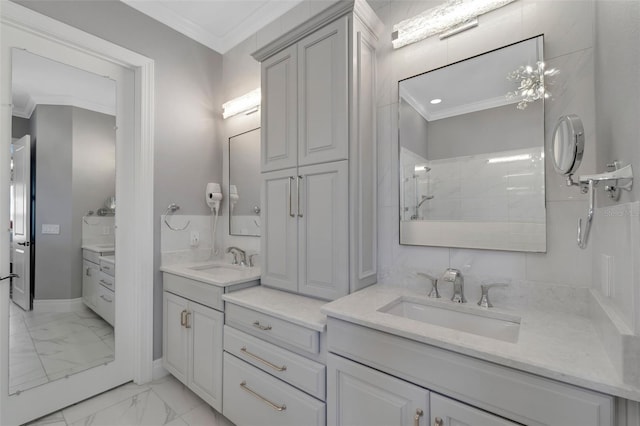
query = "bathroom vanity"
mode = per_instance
[
  {"x": 98, "y": 279},
  {"x": 193, "y": 319}
]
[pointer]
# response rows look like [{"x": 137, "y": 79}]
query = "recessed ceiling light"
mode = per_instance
[{"x": 436, "y": 101}]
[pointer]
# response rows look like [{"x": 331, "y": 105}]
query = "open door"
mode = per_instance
[{"x": 21, "y": 219}]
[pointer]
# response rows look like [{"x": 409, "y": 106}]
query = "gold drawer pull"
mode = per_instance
[
  {"x": 416, "y": 418},
  {"x": 264, "y": 361},
  {"x": 106, "y": 283},
  {"x": 246, "y": 388},
  {"x": 183, "y": 318},
  {"x": 256, "y": 324}
]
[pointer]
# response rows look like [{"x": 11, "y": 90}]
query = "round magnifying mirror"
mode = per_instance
[{"x": 568, "y": 144}]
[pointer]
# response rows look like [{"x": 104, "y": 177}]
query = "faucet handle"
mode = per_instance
[
  {"x": 434, "y": 285},
  {"x": 484, "y": 298},
  {"x": 251, "y": 257}
]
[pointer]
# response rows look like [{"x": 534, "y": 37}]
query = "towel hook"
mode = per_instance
[{"x": 172, "y": 208}]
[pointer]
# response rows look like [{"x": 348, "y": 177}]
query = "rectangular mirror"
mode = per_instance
[
  {"x": 244, "y": 184},
  {"x": 472, "y": 153}
]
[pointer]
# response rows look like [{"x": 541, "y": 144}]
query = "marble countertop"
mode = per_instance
[
  {"x": 99, "y": 248},
  {"x": 300, "y": 310},
  {"x": 559, "y": 346},
  {"x": 215, "y": 273}
]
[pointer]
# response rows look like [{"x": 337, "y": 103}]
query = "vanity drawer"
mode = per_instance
[
  {"x": 296, "y": 370},
  {"x": 253, "y": 397},
  {"x": 91, "y": 256},
  {"x": 108, "y": 267},
  {"x": 106, "y": 304},
  {"x": 107, "y": 280},
  {"x": 206, "y": 294},
  {"x": 273, "y": 329}
]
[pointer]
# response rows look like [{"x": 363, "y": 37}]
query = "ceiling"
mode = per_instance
[
  {"x": 472, "y": 85},
  {"x": 218, "y": 24},
  {"x": 41, "y": 81}
]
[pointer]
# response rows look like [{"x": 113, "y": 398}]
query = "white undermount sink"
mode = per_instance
[
  {"x": 216, "y": 268},
  {"x": 458, "y": 317}
]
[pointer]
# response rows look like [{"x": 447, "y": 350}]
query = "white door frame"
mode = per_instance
[{"x": 134, "y": 237}]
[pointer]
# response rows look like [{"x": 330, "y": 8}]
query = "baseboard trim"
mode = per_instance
[
  {"x": 158, "y": 370},
  {"x": 58, "y": 305}
]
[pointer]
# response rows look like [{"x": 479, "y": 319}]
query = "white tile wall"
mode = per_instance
[{"x": 568, "y": 30}]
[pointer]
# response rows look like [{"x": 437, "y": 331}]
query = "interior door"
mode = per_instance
[{"x": 21, "y": 229}]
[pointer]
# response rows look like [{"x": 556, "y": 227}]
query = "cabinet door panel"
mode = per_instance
[
  {"x": 90, "y": 272},
  {"x": 324, "y": 230},
  {"x": 279, "y": 230},
  {"x": 279, "y": 111},
  {"x": 205, "y": 376},
  {"x": 175, "y": 349},
  {"x": 358, "y": 395},
  {"x": 454, "y": 413},
  {"x": 323, "y": 98}
]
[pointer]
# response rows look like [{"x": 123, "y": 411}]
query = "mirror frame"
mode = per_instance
[{"x": 574, "y": 145}]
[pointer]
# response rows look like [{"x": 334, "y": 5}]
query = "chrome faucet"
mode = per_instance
[
  {"x": 239, "y": 256},
  {"x": 455, "y": 276}
]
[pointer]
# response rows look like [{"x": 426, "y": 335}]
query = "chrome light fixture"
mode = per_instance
[
  {"x": 447, "y": 19},
  {"x": 247, "y": 103},
  {"x": 531, "y": 83}
]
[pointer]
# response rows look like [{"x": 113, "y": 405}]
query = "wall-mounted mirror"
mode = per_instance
[
  {"x": 244, "y": 184},
  {"x": 472, "y": 153},
  {"x": 62, "y": 211}
]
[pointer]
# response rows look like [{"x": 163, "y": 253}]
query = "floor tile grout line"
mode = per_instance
[{"x": 104, "y": 408}]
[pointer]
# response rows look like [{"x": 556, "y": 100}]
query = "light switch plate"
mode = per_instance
[{"x": 48, "y": 228}]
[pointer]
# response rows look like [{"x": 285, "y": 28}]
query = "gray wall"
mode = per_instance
[
  {"x": 19, "y": 127},
  {"x": 413, "y": 130},
  {"x": 55, "y": 277},
  {"x": 75, "y": 172},
  {"x": 470, "y": 134},
  {"x": 188, "y": 78}
]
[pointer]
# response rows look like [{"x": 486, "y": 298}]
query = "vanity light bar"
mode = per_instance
[
  {"x": 247, "y": 103},
  {"x": 509, "y": 158},
  {"x": 450, "y": 17}
]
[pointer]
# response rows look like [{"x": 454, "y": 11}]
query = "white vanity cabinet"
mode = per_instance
[
  {"x": 98, "y": 282},
  {"x": 275, "y": 350},
  {"x": 192, "y": 341},
  {"x": 319, "y": 154},
  {"x": 461, "y": 390}
]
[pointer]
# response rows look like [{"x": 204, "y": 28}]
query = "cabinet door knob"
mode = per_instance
[
  {"x": 416, "y": 418},
  {"x": 183, "y": 318},
  {"x": 438, "y": 422}
]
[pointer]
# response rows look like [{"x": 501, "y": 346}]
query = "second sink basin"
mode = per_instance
[{"x": 458, "y": 317}]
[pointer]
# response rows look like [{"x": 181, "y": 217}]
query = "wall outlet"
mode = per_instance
[
  {"x": 48, "y": 228},
  {"x": 607, "y": 274},
  {"x": 195, "y": 239}
]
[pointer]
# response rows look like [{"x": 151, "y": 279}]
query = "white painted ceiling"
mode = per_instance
[
  {"x": 472, "y": 85},
  {"x": 218, "y": 24},
  {"x": 41, "y": 81}
]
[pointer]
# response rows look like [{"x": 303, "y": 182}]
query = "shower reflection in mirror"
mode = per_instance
[{"x": 63, "y": 208}]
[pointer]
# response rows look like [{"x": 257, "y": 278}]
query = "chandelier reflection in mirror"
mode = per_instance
[{"x": 531, "y": 83}]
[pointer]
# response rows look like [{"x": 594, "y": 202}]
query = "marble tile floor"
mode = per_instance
[
  {"x": 46, "y": 346},
  {"x": 162, "y": 402}
]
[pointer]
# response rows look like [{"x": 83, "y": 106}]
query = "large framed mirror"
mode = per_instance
[
  {"x": 244, "y": 184},
  {"x": 471, "y": 140},
  {"x": 63, "y": 214}
]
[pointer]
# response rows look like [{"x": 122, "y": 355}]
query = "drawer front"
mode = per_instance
[
  {"x": 205, "y": 294},
  {"x": 108, "y": 268},
  {"x": 294, "y": 369},
  {"x": 254, "y": 398},
  {"x": 91, "y": 256},
  {"x": 106, "y": 304},
  {"x": 107, "y": 280},
  {"x": 272, "y": 329}
]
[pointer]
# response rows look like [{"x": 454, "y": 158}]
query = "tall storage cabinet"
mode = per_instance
[{"x": 319, "y": 154}]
